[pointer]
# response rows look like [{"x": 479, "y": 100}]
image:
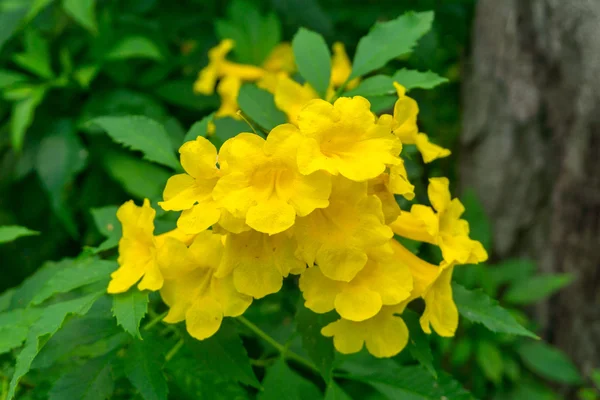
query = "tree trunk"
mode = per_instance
[{"x": 530, "y": 148}]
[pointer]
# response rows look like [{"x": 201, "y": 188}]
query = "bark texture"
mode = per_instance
[{"x": 530, "y": 147}]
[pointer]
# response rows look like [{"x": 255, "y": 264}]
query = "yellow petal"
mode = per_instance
[
  {"x": 357, "y": 303},
  {"x": 440, "y": 311},
  {"x": 153, "y": 279},
  {"x": 272, "y": 216},
  {"x": 243, "y": 150},
  {"x": 428, "y": 150},
  {"x": 233, "y": 302},
  {"x": 291, "y": 97},
  {"x": 174, "y": 259},
  {"x": 207, "y": 250},
  {"x": 340, "y": 262},
  {"x": 232, "y": 224},
  {"x": 256, "y": 279},
  {"x": 199, "y": 158},
  {"x": 420, "y": 224},
  {"x": 340, "y": 66},
  {"x": 228, "y": 89},
  {"x": 348, "y": 337},
  {"x": 137, "y": 222},
  {"x": 423, "y": 273},
  {"x": 199, "y": 218},
  {"x": 203, "y": 318},
  {"x": 181, "y": 291},
  {"x": 281, "y": 58},
  {"x": 389, "y": 335},
  {"x": 181, "y": 193},
  {"x": 399, "y": 183},
  {"x": 319, "y": 291},
  {"x": 125, "y": 277}
]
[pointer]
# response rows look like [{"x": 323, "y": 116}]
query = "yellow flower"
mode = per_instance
[
  {"x": 384, "y": 280},
  {"x": 192, "y": 192},
  {"x": 433, "y": 284},
  {"x": 337, "y": 237},
  {"x": 395, "y": 181},
  {"x": 341, "y": 68},
  {"x": 219, "y": 67},
  {"x": 404, "y": 126},
  {"x": 343, "y": 138},
  {"x": 141, "y": 254},
  {"x": 441, "y": 225},
  {"x": 228, "y": 89},
  {"x": 258, "y": 262},
  {"x": 196, "y": 295},
  {"x": 385, "y": 334},
  {"x": 291, "y": 97},
  {"x": 262, "y": 184},
  {"x": 281, "y": 58}
]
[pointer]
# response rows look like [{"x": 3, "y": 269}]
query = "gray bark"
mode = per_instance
[{"x": 530, "y": 147}]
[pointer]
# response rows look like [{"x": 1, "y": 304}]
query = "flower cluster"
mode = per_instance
[{"x": 315, "y": 198}]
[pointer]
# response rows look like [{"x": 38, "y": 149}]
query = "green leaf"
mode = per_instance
[
  {"x": 108, "y": 225},
  {"x": 60, "y": 158},
  {"x": 226, "y": 128},
  {"x": 259, "y": 105},
  {"x": 388, "y": 40},
  {"x": 411, "y": 79},
  {"x": 22, "y": 116},
  {"x": 282, "y": 383},
  {"x": 335, "y": 392},
  {"x": 319, "y": 348},
  {"x": 181, "y": 93},
  {"x": 418, "y": 342},
  {"x": 130, "y": 308},
  {"x": 140, "y": 133},
  {"x": 14, "y": 327},
  {"x": 143, "y": 368},
  {"x": 478, "y": 307},
  {"x": 47, "y": 325},
  {"x": 224, "y": 354},
  {"x": 512, "y": 270},
  {"x": 36, "y": 57},
  {"x": 489, "y": 360},
  {"x": 134, "y": 47},
  {"x": 23, "y": 295},
  {"x": 83, "y": 272},
  {"x": 9, "y": 78},
  {"x": 536, "y": 288},
  {"x": 381, "y": 104},
  {"x": 200, "y": 128},
  {"x": 549, "y": 362},
  {"x": 378, "y": 85},
  {"x": 82, "y": 11},
  {"x": 9, "y": 22},
  {"x": 11, "y": 232},
  {"x": 139, "y": 178},
  {"x": 411, "y": 383},
  {"x": 313, "y": 59},
  {"x": 91, "y": 381}
]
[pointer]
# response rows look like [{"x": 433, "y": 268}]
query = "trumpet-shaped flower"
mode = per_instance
[
  {"x": 341, "y": 68},
  {"x": 404, "y": 126},
  {"x": 385, "y": 334},
  {"x": 218, "y": 67},
  {"x": 433, "y": 284},
  {"x": 386, "y": 185},
  {"x": 195, "y": 295},
  {"x": 228, "y": 89},
  {"x": 344, "y": 139},
  {"x": 441, "y": 225},
  {"x": 281, "y": 59},
  {"x": 262, "y": 183},
  {"x": 192, "y": 192},
  {"x": 259, "y": 262},
  {"x": 141, "y": 254},
  {"x": 337, "y": 238},
  {"x": 384, "y": 280},
  {"x": 291, "y": 97}
]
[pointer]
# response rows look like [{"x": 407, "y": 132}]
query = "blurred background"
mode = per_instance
[{"x": 521, "y": 114}]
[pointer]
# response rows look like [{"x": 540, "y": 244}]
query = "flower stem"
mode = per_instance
[
  {"x": 174, "y": 350},
  {"x": 285, "y": 352},
  {"x": 155, "y": 321}
]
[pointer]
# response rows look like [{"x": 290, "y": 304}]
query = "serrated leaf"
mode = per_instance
[
  {"x": 224, "y": 353},
  {"x": 411, "y": 383},
  {"x": 478, "y": 307},
  {"x": 388, "y": 40},
  {"x": 140, "y": 133},
  {"x": 411, "y": 79},
  {"x": 82, "y": 272},
  {"x": 130, "y": 308},
  {"x": 9, "y": 233},
  {"x": 47, "y": 325},
  {"x": 282, "y": 383},
  {"x": 60, "y": 158},
  {"x": 199, "y": 128},
  {"x": 418, "y": 342},
  {"x": 135, "y": 47},
  {"x": 14, "y": 327},
  {"x": 143, "y": 368},
  {"x": 378, "y": 85},
  {"x": 313, "y": 58},
  {"x": 536, "y": 288},
  {"x": 512, "y": 270},
  {"x": 36, "y": 57},
  {"x": 335, "y": 392},
  {"x": 91, "y": 381},
  {"x": 82, "y": 11},
  {"x": 318, "y": 347},
  {"x": 105, "y": 219},
  {"x": 489, "y": 360},
  {"x": 259, "y": 105},
  {"x": 139, "y": 178},
  {"x": 23, "y": 295},
  {"x": 549, "y": 362}
]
